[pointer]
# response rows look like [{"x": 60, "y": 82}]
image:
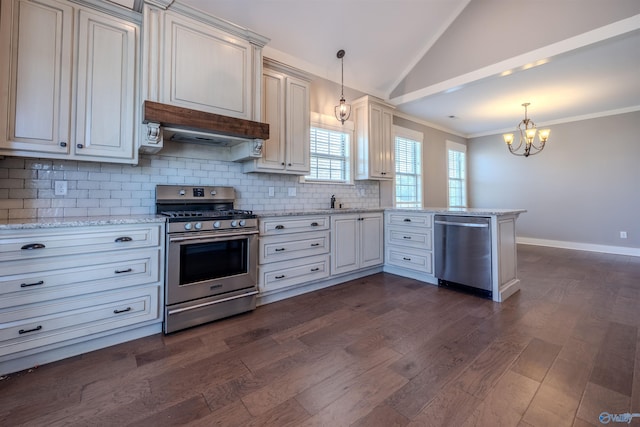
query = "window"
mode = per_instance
[
  {"x": 457, "y": 173},
  {"x": 408, "y": 151},
  {"x": 329, "y": 152}
]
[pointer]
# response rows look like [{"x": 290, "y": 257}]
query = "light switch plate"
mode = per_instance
[{"x": 292, "y": 191}]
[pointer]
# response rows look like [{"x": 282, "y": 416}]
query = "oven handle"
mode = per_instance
[
  {"x": 209, "y": 237},
  {"x": 205, "y": 304}
]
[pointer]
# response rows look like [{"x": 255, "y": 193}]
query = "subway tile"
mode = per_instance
[
  {"x": 4, "y": 213},
  {"x": 37, "y": 203},
  {"x": 120, "y": 211},
  {"x": 19, "y": 193},
  {"x": 38, "y": 164},
  {"x": 50, "y": 212},
  {"x": 22, "y": 213},
  {"x": 11, "y": 183},
  {"x": 75, "y": 212},
  {"x": 11, "y": 204},
  {"x": 12, "y": 163},
  {"x": 97, "y": 211},
  {"x": 23, "y": 173}
]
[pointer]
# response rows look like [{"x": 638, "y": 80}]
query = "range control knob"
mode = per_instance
[
  {"x": 234, "y": 223},
  {"x": 182, "y": 192},
  {"x": 198, "y": 225},
  {"x": 216, "y": 224},
  {"x": 187, "y": 226},
  {"x": 243, "y": 223}
]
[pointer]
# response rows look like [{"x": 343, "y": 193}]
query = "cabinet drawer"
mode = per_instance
[
  {"x": 295, "y": 224},
  {"x": 285, "y": 274},
  {"x": 281, "y": 248},
  {"x": 409, "y": 219},
  {"x": 37, "y": 325},
  {"x": 29, "y": 244},
  {"x": 31, "y": 281},
  {"x": 419, "y": 238},
  {"x": 414, "y": 260}
]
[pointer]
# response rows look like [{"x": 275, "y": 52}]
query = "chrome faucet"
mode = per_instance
[{"x": 333, "y": 201}]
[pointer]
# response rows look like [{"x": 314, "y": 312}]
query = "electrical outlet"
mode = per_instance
[
  {"x": 292, "y": 191},
  {"x": 272, "y": 191},
  {"x": 623, "y": 234},
  {"x": 60, "y": 188}
]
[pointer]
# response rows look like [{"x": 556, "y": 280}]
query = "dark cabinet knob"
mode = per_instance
[{"x": 63, "y": 144}]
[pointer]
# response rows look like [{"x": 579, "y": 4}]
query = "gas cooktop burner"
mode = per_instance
[{"x": 232, "y": 213}]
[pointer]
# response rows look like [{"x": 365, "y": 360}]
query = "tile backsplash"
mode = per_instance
[{"x": 96, "y": 189}]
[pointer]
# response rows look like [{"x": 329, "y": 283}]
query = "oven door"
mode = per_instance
[{"x": 207, "y": 264}]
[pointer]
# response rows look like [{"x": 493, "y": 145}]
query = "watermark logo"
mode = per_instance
[{"x": 606, "y": 418}]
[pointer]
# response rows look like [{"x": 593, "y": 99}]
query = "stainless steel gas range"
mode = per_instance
[{"x": 211, "y": 257}]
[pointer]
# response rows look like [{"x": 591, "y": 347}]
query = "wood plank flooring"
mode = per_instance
[{"x": 378, "y": 351}]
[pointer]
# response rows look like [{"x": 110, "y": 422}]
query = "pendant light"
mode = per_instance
[{"x": 342, "y": 110}]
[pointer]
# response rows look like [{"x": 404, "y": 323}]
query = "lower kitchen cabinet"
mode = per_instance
[
  {"x": 409, "y": 245},
  {"x": 294, "y": 251},
  {"x": 69, "y": 290},
  {"x": 356, "y": 241}
]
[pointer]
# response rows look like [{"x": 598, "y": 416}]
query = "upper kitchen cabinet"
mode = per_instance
[
  {"x": 374, "y": 137},
  {"x": 285, "y": 107},
  {"x": 69, "y": 80},
  {"x": 197, "y": 61}
]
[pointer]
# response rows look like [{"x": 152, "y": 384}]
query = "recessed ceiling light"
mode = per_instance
[{"x": 452, "y": 117}]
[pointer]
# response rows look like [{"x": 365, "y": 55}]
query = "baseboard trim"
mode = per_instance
[{"x": 617, "y": 250}]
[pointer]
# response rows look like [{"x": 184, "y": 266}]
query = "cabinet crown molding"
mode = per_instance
[{"x": 199, "y": 15}]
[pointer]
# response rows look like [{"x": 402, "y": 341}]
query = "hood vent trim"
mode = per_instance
[{"x": 209, "y": 128}]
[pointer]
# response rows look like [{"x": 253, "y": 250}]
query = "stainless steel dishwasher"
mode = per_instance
[{"x": 463, "y": 253}]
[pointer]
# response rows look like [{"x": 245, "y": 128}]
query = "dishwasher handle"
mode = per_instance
[{"x": 463, "y": 224}]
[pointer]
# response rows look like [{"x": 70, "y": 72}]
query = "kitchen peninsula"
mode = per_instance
[{"x": 409, "y": 244}]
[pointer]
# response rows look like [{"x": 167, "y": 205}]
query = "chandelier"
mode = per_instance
[
  {"x": 342, "y": 110},
  {"x": 528, "y": 132}
]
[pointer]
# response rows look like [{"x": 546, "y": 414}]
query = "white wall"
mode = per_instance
[{"x": 583, "y": 187}]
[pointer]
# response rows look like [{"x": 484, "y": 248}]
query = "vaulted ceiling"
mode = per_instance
[{"x": 465, "y": 66}]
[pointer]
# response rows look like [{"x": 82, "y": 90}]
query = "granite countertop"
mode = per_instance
[
  {"x": 462, "y": 211},
  {"x": 35, "y": 223},
  {"x": 266, "y": 214}
]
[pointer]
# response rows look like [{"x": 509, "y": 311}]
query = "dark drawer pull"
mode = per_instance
[
  {"x": 315, "y": 244},
  {"x": 32, "y": 246},
  {"x": 122, "y": 311},
  {"x": 26, "y": 331},
  {"x": 406, "y": 259},
  {"x": 407, "y": 220},
  {"x": 123, "y": 239},
  {"x": 26, "y": 285},
  {"x": 315, "y": 269},
  {"x": 406, "y": 237},
  {"x": 280, "y": 277},
  {"x": 279, "y": 227},
  {"x": 128, "y": 270},
  {"x": 280, "y": 249},
  {"x": 314, "y": 224}
]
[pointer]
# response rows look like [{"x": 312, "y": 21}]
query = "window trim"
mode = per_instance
[
  {"x": 330, "y": 123},
  {"x": 414, "y": 135},
  {"x": 456, "y": 146}
]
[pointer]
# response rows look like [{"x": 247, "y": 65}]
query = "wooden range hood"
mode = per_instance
[{"x": 187, "y": 124}]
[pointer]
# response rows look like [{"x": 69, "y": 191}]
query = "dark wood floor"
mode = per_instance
[{"x": 379, "y": 351}]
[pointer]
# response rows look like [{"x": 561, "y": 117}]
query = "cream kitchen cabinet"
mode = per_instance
[
  {"x": 285, "y": 106},
  {"x": 409, "y": 243},
  {"x": 356, "y": 241},
  {"x": 69, "y": 290},
  {"x": 294, "y": 251},
  {"x": 69, "y": 76},
  {"x": 374, "y": 139},
  {"x": 197, "y": 61}
]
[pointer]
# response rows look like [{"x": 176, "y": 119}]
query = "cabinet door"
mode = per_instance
[
  {"x": 273, "y": 111},
  {"x": 345, "y": 244},
  {"x": 206, "y": 69},
  {"x": 387, "y": 145},
  {"x": 37, "y": 38},
  {"x": 371, "y": 238},
  {"x": 381, "y": 142},
  {"x": 106, "y": 86},
  {"x": 297, "y": 125}
]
